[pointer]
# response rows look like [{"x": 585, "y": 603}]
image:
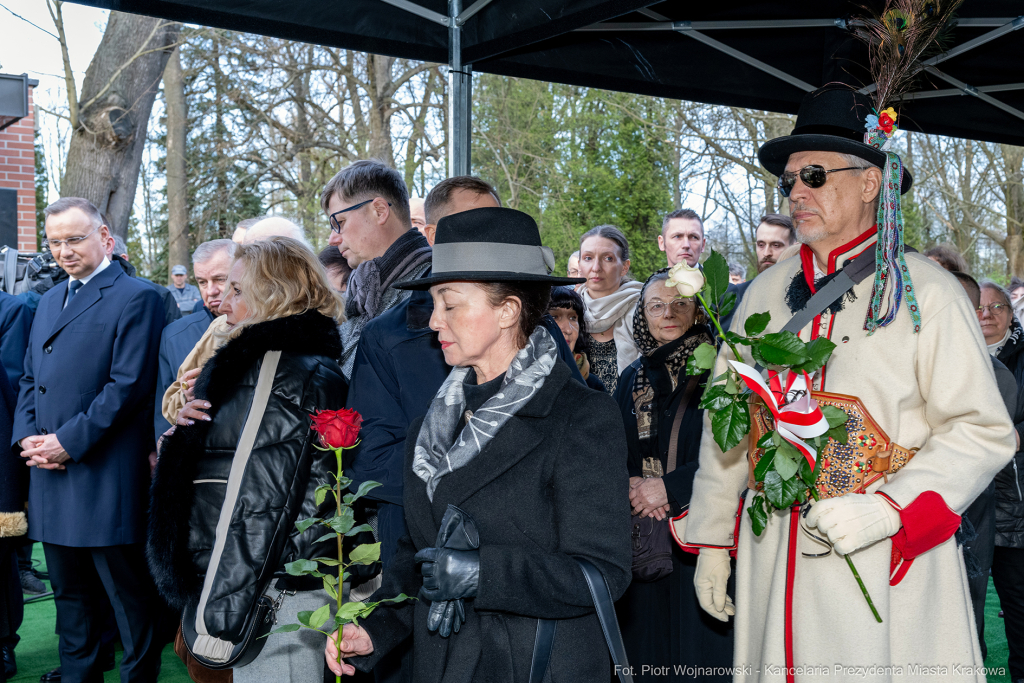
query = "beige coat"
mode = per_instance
[
  {"x": 215, "y": 336},
  {"x": 934, "y": 390}
]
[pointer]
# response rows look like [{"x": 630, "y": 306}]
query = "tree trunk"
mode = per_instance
[
  {"x": 1013, "y": 160},
  {"x": 177, "y": 192},
  {"x": 117, "y": 96}
]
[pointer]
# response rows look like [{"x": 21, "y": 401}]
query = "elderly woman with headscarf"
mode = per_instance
[
  {"x": 529, "y": 463},
  {"x": 662, "y": 622}
]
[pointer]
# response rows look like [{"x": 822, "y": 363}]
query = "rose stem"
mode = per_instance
[
  {"x": 856, "y": 574},
  {"x": 341, "y": 555},
  {"x": 714, "y": 319}
]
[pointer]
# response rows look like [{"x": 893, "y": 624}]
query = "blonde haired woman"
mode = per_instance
[{"x": 229, "y": 488}]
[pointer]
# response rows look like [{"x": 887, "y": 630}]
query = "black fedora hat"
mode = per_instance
[
  {"x": 489, "y": 245},
  {"x": 830, "y": 119}
]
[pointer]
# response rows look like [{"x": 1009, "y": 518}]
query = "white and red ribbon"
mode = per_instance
[{"x": 795, "y": 421}]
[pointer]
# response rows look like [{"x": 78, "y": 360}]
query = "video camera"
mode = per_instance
[{"x": 20, "y": 272}]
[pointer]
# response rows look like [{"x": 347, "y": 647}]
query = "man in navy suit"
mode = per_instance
[{"x": 83, "y": 424}]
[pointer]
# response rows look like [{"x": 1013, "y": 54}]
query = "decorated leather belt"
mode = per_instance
[{"x": 867, "y": 456}]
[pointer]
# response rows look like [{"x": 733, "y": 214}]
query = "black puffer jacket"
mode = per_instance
[
  {"x": 1010, "y": 481},
  {"x": 275, "y": 488}
]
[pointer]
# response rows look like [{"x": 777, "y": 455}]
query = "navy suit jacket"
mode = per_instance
[
  {"x": 176, "y": 342},
  {"x": 90, "y": 371},
  {"x": 15, "y": 325}
]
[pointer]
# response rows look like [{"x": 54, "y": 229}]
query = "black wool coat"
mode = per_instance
[
  {"x": 276, "y": 487},
  {"x": 551, "y": 486},
  {"x": 1009, "y": 483}
]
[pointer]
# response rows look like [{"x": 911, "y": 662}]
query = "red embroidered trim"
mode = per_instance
[
  {"x": 794, "y": 528},
  {"x": 694, "y": 548}
]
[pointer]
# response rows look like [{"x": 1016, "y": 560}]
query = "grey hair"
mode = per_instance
[
  {"x": 247, "y": 223},
  {"x": 84, "y": 205},
  {"x": 120, "y": 248},
  {"x": 855, "y": 161},
  {"x": 575, "y": 254},
  {"x": 207, "y": 250},
  {"x": 737, "y": 269},
  {"x": 998, "y": 289}
]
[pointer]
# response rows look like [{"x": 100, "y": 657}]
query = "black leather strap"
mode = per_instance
[
  {"x": 542, "y": 649},
  {"x": 606, "y": 614}
]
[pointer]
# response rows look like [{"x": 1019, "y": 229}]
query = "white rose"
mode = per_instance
[{"x": 687, "y": 281}]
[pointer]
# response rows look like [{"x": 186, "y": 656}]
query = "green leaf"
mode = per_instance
[
  {"x": 715, "y": 398},
  {"x": 755, "y": 353},
  {"x": 818, "y": 351},
  {"x": 304, "y": 524},
  {"x": 401, "y": 597},
  {"x": 839, "y": 433},
  {"x": 728, "y": 303},
  {"x": 365, "y": 488},
  {"x": 362, "y": 528},
  {"x": 834, "y": 416},
  {"x": 766, "y": 440},
  {"x": 331, "y": 590},
  {"x": 764, "y": 464},
  {"x": 321, "y": 494},
  {"x": 716, "y": 273},
  {"x": 787, "y": 460},
  {"x": 783, "y": 348},
  {"x": 756, "y": 323},
  {"x": 781, "y": 493},
  {"x": 327, "y": 537},
  {"x": 303, "y": 617},
  {"x": 731, "y": 385},
  {"x": 301, "y": 567},
  {"x": 704, "y": 356},
  {"x": 342, "y": 522},
  {"x": 287, "y": 628},
  {"x": 330, "y": 579},
  {"x": 349, "y": 611},
  {"x": 806, "y": 473},
  {"x": 730, "y": 425},
  {"x": 320, "y": 616},
  {"x": 758, "y": 515},
  {"x": 734, "y": 338},
  {"x": 330, "y": 562},
  {"x": 345, "y": 482},
  {"x": 367, "y": 553}
]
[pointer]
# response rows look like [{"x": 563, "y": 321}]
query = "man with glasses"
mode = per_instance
[
  {"x": 924, "y": 376},
  {"x": 367, "y": 206},
  {"x": 83, "y": 426}
]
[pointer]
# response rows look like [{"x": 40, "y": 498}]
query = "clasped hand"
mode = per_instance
[
  {"x": 44, "y": 452},
  {"x": 648, "y": 497},
  {"x": 355, "y": 642}
]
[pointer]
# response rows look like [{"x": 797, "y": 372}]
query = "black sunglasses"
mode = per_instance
[
  {"x": 335, "y": 226},
  {"x": 813, "y": 176}
]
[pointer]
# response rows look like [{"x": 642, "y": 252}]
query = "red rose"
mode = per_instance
[
  {"x": 337, "y": 428},
  {"x": 886, "y": 123}
]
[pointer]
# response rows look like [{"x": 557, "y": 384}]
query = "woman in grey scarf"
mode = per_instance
[{"x": 514, "y": 474}]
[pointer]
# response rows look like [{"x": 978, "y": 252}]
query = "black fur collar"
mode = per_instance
[
  {"x": 172, "y": 492},
  {"x": 799, "y": 292}
]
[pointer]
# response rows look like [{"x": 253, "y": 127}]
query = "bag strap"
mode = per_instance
[
  {"x": 673, "y": 439},
  {"x": 542, "y": 647},
  {"x": 606, "y": 615}
]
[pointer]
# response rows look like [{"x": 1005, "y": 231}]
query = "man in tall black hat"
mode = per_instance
[{"x": 908, "y": 349}]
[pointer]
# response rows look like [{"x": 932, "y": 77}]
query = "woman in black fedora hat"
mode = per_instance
[{"x": 510, "y": 480}]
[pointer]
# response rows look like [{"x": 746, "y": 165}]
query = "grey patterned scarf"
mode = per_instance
[{"x": 435, "y": 454}]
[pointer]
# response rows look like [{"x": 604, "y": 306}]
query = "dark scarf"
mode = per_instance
[
  {"x": 1014, "y": 343},
  {"x": 371, "y": 279},
  {"x": 661, "y": 366}
]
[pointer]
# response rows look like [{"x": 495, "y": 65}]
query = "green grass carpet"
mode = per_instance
[{"x": 37, "y": 651}]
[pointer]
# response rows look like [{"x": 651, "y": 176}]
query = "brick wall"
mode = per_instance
[{"x": 18, "y": 171}]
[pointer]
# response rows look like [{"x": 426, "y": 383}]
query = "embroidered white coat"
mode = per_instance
[{"x": 934, "y": 390}]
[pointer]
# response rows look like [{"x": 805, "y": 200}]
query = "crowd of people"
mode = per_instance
[{"x": 549, "y": 418}]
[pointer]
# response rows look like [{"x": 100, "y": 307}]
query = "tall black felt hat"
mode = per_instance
[
  {"x": 830, "y": 119},
  {"x": 489, "y": 245}
]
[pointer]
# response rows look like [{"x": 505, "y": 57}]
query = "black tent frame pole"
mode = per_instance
[{"x": 460, "y": 97}]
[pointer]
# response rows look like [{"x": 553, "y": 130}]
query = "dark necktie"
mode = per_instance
[{"x": 73, "y": 287}]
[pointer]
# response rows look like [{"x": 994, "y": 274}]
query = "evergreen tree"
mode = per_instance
[{"x": 42, "y": 190}]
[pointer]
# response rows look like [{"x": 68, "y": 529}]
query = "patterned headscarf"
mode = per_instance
[{"x": 661, "y": 365}]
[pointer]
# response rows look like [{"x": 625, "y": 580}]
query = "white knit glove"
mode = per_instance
[
  {"x": 710, "y": 580},
  {"x": 854, "y": 520}
]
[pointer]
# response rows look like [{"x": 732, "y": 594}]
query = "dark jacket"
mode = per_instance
[
  {"x": 399, "y": 367},
  {"x": 551, "y": 486},
  {"x": 261, "y": 534},
  {"x": 177, "y": 341},
  {"x": 90, "y": 371},
  {"x": 15, "y": 327},
  {"x": 170, "y": 305},
  {"x": 1010, "y": 481}
]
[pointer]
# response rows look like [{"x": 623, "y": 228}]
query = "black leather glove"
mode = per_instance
[
  {"x": 446, "y": 617},
  {"x": 449, "y": 574}
]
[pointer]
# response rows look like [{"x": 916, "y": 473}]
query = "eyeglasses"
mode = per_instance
[
  {"x": 72, "y": 242},
  {"x": 656, "y": 309},
  {"x": 994, "y": 309},
  {"x": 574, "y": 272},
  {"x": 335, "y": 226},
  {"x": 813, "y": 176}
]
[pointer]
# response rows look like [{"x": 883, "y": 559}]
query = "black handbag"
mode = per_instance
[
  {"x": 257, "y": 626},
  {"x": 651, "y": 539}
]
